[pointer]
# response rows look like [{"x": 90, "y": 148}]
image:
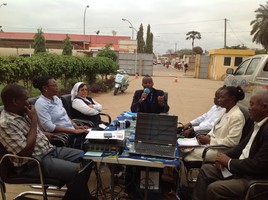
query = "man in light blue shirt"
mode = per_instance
[{"x": 204, "y": 123}]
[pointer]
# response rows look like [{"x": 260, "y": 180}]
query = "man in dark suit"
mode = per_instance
[
  {"x": 149, "y": 100},
  {"x": 246, "y": 161}
]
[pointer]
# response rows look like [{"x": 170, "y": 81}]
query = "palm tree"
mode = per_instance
[
  {"x": 260, "y": 26},
  {"x": 192, "y": 35}
]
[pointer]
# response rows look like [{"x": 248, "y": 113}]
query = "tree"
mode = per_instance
[
  {"x": 182, "y": 52},
  {"x": 149, "y": 41},
  {"x": 260, "y": 26},
  {"x": 198, "y": 50},
  {"x": 108, "y": 53},
  {"x": 169, "y": 51},
  {"x": 140, "y": 40},
  {"x": 114, "y": 33},
  {"x": 192, "y": 35},
  {"x": 39, "y": 42},
  {"x": 237, "y": 47},
  {"x": 67, "y": 46}
]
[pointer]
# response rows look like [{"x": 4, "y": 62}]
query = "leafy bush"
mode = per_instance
[{"x": 14, "y": 69}]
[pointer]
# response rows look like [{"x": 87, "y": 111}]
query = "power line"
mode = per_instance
[
  {"x": 234, "y": 33},
  {"x": 190, "y": 22}
]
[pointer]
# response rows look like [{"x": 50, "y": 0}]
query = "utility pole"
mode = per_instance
[{"x": 225, "y": 22}]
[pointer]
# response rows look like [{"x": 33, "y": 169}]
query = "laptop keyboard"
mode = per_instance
[{"x": 154, "y": 149}]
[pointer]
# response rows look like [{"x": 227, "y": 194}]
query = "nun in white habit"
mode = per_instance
[{"x": 84, "y": 104}]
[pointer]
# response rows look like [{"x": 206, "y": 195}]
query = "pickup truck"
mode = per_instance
[{"x": 251, "y": 75}]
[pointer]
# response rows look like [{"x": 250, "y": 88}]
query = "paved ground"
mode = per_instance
[{"x": 187, "y": 98}]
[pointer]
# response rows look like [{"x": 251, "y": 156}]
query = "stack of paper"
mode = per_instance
[{"x": 188, "y": 142}]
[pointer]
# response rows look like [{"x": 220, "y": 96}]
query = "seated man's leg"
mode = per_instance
[
  {"x": 62, "y": 163},
  {"x": 208, "y": 174},
  {"x": 227, "y": 189}
]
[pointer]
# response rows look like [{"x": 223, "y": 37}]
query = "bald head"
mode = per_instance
[
  {"x": 258, "y": 106},
  {"x": 147, "y": 82}
]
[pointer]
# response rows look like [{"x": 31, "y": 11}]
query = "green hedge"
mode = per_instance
[{"x": 14, "y": 69}]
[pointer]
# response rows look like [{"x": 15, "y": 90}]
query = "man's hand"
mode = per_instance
[
  {"x": 80, "y": 126},
  {"x": 144, "y": 96},
  {"x": 187, "y": 125},
  {"x": 80, "y": 131},
  {"x": 187, "y": 132},
  {"x": 160, "y": 100},
  {"x": 31, "y": 112},
  {"x": 222, "y": 159},
  {"x": 203, "y": 139},
  {"x": 49, "y": 135},
  {"x": 219, "y": 167}
]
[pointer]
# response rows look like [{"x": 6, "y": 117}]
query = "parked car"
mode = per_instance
[{"x": 251, "y": 75}]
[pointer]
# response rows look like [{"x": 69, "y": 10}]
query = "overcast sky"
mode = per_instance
[{"x": 170, "y": 20}]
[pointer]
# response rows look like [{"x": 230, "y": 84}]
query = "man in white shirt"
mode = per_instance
[
  {"x": 246, "y": 161},
  {"x": 204, "y": 123}
]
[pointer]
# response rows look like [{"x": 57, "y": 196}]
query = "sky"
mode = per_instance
[{"x": 170, "y": 20}]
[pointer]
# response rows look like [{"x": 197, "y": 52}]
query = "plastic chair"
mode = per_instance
[{"x": 9, "y": 175}]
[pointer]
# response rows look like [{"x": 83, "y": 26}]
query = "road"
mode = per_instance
[{"x": 187, "y": 98}]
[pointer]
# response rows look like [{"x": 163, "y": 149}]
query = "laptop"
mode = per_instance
[{"x": 155, "y": 135}]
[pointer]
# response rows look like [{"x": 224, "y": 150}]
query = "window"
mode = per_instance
[
  {"x": 266, "y": 67},
  {"x": 227, "y": 61},
  {"x": 253, "y": 65},
  {"x": 242, "y": 68},
  {"x": 237, "y": 61}
]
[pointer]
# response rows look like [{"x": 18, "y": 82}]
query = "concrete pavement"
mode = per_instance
[{"x": 187, "y": 98}]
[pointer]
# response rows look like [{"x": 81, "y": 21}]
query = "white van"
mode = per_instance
[{"x": 251, "y": 75}]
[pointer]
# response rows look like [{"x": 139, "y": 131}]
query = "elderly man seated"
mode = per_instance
[{"x": 246, "y": 161}]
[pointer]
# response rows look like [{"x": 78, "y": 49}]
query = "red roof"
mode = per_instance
[
  {"x": 55, "y": 38},
  {"x": 94, "y": 39}
]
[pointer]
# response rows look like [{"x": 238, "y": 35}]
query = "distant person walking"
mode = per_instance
[{"x": 185, "y": 68}]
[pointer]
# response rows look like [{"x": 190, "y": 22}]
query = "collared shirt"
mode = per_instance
[
  {"x": 13, "y": 134},
  {"x": 206, "y": 121},
  {"x": 52, "y": 113},
  {"x": 246, "y": 150}
]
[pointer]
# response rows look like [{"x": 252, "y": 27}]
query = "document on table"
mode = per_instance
[
  {"x": 93, "y": 153},
  {"x": 111, "y": 135},
  {"x": 188, "y": 142}
]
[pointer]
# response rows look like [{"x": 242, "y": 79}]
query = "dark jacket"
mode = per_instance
[
  {"x": 150, "y": 104},
  {"x": 255, "y": 166}
]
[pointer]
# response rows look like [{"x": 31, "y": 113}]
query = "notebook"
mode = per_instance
[{"x": 155, "y": 135}]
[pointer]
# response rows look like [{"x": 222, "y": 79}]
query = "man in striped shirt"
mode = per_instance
[{"x": 20, "y": 135}]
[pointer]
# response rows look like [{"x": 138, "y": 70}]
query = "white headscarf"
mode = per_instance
[{"x": 75, "y": 90}]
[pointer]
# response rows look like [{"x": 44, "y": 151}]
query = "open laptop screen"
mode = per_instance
[{"x": 156, "y": 128}]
